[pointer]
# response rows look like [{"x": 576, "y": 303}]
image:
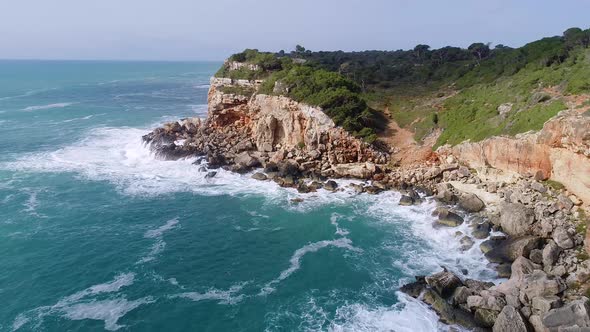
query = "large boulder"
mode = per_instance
[
  {"x": 444, "y": 193},
  {"x": 550, "y": 253},
  {"x": 444, "y": 282},
  {"x": 511, "y": 249},
  {"x": 538, "y": 284},
  {"x": 516, "y": 219},
  {"x": 406, "y": 200},
  {"x": 448, "y": 313},
  {"x": 471, "y": 203},
  {"x": 572, "y": 317},
  {"x": 448, "y": 218},
  {"x": 510, "y": 320},
  {"x": 562, "y": 238}
]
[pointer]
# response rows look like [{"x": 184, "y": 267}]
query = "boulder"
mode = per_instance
[
  {"x": 516, "y": 219},
  {"x": 550, "y": 253},
  {"x": 575, "y": 314},
  {"x": 471, "y": 203},
  {"x": 562, "y": 238},
  {"x": 542, "y": 304},
  {"x": 448, "y": 218},
  {"x": 510, "y": 319},
  {"x": 511, "y": 249},
  {"x": 444, "y": 282},
  {"x": 485, "y": 317},
  {"x": 491, "y": 243},
  {"x": 537, "y": 284},
  {"x": 406, "y": 200},
  {"x": 331, "y": 185},
  {"x": 445, "y": 193},
  {"x": 466, "y": 243},
  {"x": 481, "y": 230},
  {"x": 447, "y": 313},
  {"x": 259, "y": 176},
  {"x": 414, "y": 289}
]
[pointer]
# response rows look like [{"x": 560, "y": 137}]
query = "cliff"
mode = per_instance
[
  {"x": 245, "y": 129},
  {"x": 559, "y": 152}
]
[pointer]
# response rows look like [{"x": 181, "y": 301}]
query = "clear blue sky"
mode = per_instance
[{"x": 212, "y": 29}]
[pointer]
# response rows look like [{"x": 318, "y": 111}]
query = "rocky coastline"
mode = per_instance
[{"x": 541, "y": 253}]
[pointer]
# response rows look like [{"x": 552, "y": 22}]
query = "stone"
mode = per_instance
[
  {"x": 471, "y": 203},
  {"x": 259, "y": 176},
  {"x": 538, "y": 187},
  {"x": 537, "y": 284},
  {"x": 491, "y": 243},
  {"x": 516, "y": 219},
  {"x": 448, "y": 218},
  {"x": 210, "y": 175},
  {"x": 550, "y": 253},
  {"x": 574, "y": 314},
  {"x": 445, "y": 193},
  {"x": 460, "y": 295},
  {"x": 414, "y": 289},
  {"x": 477, "y": 285},
  {"x": 447, "y": 313},
  {"x": 481, "y": 230},
  {"x": 510, "y": 319},
  {"x": 406, "y": 200},
  {"x": 485, "y": 317},
  {"x": 542, "y": 304},
  {"x": 564, "y": 203},
  {"x": 562, "y": 238},
  {"x": 504, "y": 270},
  {"x": 331, "y": 185},
  {"x": 444, "y": 282},
  {"x": 536, "y": 256},
  {"x": 511, "y": 249}
]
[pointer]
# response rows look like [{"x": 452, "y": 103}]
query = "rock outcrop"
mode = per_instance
[
  {"x": 560, "y": 151},
  {"x": 242, "y": 132}
]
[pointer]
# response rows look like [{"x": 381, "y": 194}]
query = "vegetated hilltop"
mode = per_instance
[{"x": 470, "y": 94}]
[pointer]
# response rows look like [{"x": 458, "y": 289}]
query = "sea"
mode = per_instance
[{"x": 96, "y": 233}]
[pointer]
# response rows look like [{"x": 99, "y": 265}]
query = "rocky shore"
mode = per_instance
[{"x": 541, "y": 252}]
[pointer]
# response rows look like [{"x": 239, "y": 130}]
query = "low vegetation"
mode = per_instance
[{"x": 470, "y": 94}]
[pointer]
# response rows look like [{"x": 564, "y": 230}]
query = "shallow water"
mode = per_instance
[{"x": 95, "y": 233}]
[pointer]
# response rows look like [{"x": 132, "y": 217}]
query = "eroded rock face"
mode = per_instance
[
  {"x": 560, "y": 151},
  {"x": 249, "y": 131}
]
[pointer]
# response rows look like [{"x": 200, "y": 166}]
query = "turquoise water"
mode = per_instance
[{"x": 96, "y": 234}]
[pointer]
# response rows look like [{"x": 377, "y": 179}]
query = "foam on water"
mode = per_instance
[
  {"x": 45, "y": 107},
  {"x": 295, "y": 260},
  {"x": 160, "y": 244},
  {"x": 81, "y": 305},
  {"x": 408, "y": 315},
  {"x": 109, "y": 311},
  {"x": 222, "y": 296}
]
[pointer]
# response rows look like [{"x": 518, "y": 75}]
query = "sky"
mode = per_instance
[{"x": 214, "y": 29}]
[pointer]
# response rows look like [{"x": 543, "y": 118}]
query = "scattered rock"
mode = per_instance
[
  {"x": 448, "y": 218},
  {"x": 511, "y": 249},
  {"x": 259, "y": 176},
  {"x": 562, "y": 238},
  {"x": 481, "y": 230},
  {"x": 210, "y": 175},
  {"x": 444, "y": 282},
  {"x": 406, "y": 200},
  {"x": 574, "y": 315},
  {"x": 331, "y": 185},
  {"x": 510, "y": 319},
  {"x": 466, "y": 243},
  {"x": 516, "y": 219},
  {"x": 471, "y": 203}
]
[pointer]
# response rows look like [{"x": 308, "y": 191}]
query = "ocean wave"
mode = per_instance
[
  {"x": 408, "y": 315},
  {"x": 45, "y": 107},
  {"x": 30, "y": 205},
  {"x": 88, "y": 117},
  {"x": 77, "y": 306},
  {"x": 27, "y": 94}
]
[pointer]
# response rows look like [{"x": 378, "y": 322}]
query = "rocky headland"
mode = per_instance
[{"x": 533, "y": 188}]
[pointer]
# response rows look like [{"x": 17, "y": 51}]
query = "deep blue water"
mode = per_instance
[{"x": 96, "y": 234}]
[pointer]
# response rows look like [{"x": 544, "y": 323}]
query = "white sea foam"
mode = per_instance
[
  {"x": 160, "y": 244},
  {"x": 295, "y": 260},
  {"x": 408, "y": 315},
  {"x": 109, "y": 311},
  {"x": 222, "y": 296},
  {"x": 81, "y": 305},
  {"x": 334, "y": 221},
  {"x": 45, "y": 107},
  {"x": 88, "y": 117},
  {"x": 31, "y": 204}
]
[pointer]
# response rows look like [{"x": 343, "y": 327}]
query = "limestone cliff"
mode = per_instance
[
  {"x": 242, "y": 125},
  {"x": 560, "y": 152}
]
